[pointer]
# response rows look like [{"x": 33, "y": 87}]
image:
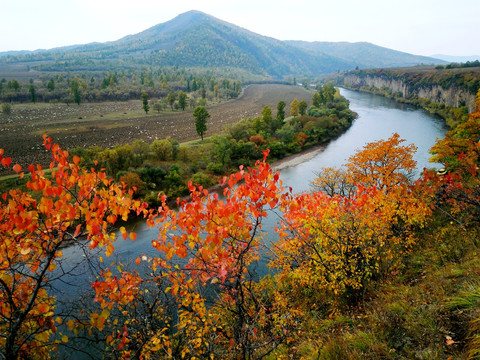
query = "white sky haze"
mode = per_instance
[{"x": 421, "y": 27}]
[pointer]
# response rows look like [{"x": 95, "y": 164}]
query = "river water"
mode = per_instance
[{"x": 378, "y": 118}]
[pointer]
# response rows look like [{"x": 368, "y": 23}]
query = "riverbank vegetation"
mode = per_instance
[
  {"x": 166, "y": 167},
  {"x": 370, "y": 264}
]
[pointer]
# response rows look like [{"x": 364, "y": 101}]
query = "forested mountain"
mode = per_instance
[
  {"x": 365, "y": 55},
  {"x": 195, "y": 39}
]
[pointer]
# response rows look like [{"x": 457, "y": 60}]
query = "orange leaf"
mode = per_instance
[
  {"x": 124, "y": 233},
  {"x": 43, "y": 308},
  {"x": 133, "y": 236},
  {"x": 17, "y": 168}
]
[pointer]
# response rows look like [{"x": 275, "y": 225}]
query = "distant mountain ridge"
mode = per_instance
[
  {"x": 196, "y": 39},
  {"x": 366, "y": 55}
]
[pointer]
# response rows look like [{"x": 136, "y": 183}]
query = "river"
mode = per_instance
[{"x": 378, "y": 118}]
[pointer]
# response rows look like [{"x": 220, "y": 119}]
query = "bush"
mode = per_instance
[
  {"x": 7, "y": 108},
  {"x": 202, "y": 179},
  {"x": 216, "y": 168}
]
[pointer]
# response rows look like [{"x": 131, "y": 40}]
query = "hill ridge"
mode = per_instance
[{"x": 197, "y": 39}]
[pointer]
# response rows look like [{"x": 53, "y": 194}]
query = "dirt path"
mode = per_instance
[{"x": 108, "y": 124}]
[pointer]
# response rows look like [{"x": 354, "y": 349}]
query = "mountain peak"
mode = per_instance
[{"x": 197, "y": 39}]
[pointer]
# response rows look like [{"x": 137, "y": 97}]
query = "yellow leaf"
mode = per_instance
[{"x": 65, "y": 338}]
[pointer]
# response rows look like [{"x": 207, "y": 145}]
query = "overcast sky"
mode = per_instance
[{"x": 421, "y": 27}]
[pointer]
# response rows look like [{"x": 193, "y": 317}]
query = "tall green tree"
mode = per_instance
[
  {"x": 171, "y": 99},
  {"x": 267, "y": 114},
  {"x": 182, "y": 100},
  {"x": 302, "y": 107},
  {"x": 281, "y": 110},
  {"x": 51, "y": 85},
  {"x": 316, "y": 99},
  {"x": 146, "y": 107},
  {"x": 200, "y": 116},
  {"x": 33, "y": 95},
  {"x": 13, "y": 84},
  {"x": 75, "y": 86}
]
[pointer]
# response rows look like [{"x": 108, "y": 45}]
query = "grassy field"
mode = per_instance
[{"x": 111, "y": 123}]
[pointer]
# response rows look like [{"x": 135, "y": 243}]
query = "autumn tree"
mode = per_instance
[
  {"x": 63, "y": 208},
  {"x": 386, "y": 164},
  {"x": 333, "y": 182},
  {"x": 458, "y": 186},
  {"x": 358, "y": 226},
  {"x": 200, "y": 116},
  {"x": 218, "y": 239},
  {"x": 294, "y": 107}
]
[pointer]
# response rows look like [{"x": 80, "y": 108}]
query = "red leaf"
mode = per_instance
[{"x": 6, "y": 162}]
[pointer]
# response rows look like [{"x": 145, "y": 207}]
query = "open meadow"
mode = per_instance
[{"x": 111, "y": 123}]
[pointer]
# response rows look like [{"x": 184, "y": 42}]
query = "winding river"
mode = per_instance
[{"x": 378, "y": 118}]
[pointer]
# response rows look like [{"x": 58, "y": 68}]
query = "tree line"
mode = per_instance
[{"x": 117, "y": 86}]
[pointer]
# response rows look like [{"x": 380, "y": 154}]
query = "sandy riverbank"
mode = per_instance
[{"x": 297, "y": 159}]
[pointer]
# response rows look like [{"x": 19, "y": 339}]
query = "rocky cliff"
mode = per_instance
[{"x": 448, "y": 94}]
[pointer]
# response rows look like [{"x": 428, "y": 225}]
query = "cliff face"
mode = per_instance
[{"x": 453, "y": 96}]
